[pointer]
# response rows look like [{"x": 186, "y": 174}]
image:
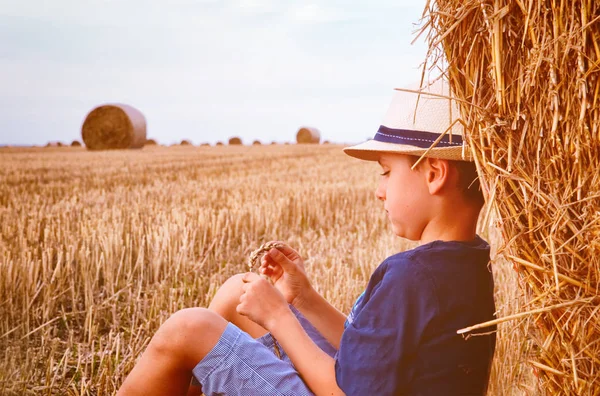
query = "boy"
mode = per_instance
[{"x": 400, "y": 337}]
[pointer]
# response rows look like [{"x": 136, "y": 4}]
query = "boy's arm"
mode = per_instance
[
  {"x": 264, "y": 304},
  {"x": 315, "y": 367},
  {"x": 322, "y": 315},
  {"x": 285, "y": 268}
]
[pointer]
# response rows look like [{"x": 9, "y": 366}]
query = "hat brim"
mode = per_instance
[{"x": 371, "y": 150}]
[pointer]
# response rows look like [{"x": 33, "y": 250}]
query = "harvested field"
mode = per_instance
[{"x": 97, "y": 248}]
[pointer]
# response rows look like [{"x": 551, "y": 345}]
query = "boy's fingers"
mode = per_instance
[
  {"x": 281, "y": 259},
  {"x": 266, "y": 271},
  {"x": 265, "y": 259},
  {"x": 270, "y": 266},
  {"x": 249, "y": 277},
  {"x": 284, "y": 248},
  {"x": 239, "y": 309},
  {"x": 275, "y": 267},
  {"x": 273, "y": 271}
]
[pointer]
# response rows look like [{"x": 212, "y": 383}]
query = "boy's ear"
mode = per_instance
[{"x": 437, "y": 174}]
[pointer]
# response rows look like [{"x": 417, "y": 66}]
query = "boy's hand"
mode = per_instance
[
  {"x": 260, "y": 301},
  {"x": 285, "y": 268}
]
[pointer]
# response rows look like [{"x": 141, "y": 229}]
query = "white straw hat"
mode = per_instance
[{"x": 419, "y": 121}]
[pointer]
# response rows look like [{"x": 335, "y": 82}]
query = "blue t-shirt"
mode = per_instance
[{"x": 400, "y": 338}]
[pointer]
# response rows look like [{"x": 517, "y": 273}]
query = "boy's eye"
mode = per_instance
[{"x": 385, "y": 173}]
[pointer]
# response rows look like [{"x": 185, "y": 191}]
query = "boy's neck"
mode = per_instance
[{"x": 451, "y": 224}]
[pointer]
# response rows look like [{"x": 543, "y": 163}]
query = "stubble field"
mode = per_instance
[{"x": 98, "y": 248}]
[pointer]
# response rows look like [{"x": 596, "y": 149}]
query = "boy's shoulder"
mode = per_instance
[
  {"x": 424, "y": 261},
  {"x": 439, "y": 251},
  {"x": 400, "y": 269}
]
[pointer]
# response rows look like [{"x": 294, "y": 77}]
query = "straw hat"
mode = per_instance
[{"x": 419, "y": 121}]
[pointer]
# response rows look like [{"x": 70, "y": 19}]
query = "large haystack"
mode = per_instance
[
  {"x": 307, "y": 135},
  {"x": 528, "y": 75},
  {"x": 114, "y": 126},
  {"x": 235, "y": 141},
  {"x": 185, "y": 142},
  {"x": 75, "y": 143},
  {"x": 150, "y": 142},
  {"x": 256, "y": 143}
]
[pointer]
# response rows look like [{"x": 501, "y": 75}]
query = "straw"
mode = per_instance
[{"x": 526, "y": 76}]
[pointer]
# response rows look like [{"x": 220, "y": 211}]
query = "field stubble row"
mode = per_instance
[{"x": 98, "y": 248}]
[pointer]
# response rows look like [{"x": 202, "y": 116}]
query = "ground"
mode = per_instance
[{"x": 98, "y": 248}]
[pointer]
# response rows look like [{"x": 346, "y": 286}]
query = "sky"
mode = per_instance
[{"x": 205, "y": 70}]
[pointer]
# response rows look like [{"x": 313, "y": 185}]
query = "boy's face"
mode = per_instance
[{"x": 405, "y": 195}]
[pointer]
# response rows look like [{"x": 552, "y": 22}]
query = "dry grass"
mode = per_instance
[{"x": 98, "y": 248}]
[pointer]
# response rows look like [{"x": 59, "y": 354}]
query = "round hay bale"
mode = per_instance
[
  {"x": 150, "y": 142},
  {"x": 326, "y": 142},
  {"x": 205, "y": 145},
  {"x": 273, "y": 143},
  {"x": 75, "y": 143},
  {"x": 256, "y": 143},
  {"x": 114, "y": 126},
  {"x": 185, "y": 142},
  {"x": 219, "y": 144},
  {"x": 235, "y": 141},
  {"x": 308, "y": 135}
]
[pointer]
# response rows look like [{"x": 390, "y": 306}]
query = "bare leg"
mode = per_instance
[
  {"x": 183, "y": 341},
  {"x": 165, "y": 368},
  {"x": 225, "y": 302}
]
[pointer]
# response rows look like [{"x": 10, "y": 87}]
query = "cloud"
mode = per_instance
[
  {"x": 203, "y": 69},
  {"x": 255, "y": 6},
  {"x": 315, "y": 13}
]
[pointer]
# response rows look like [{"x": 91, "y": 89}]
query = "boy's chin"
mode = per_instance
[
  {"x": 398, "y": 232},
  {"x": 402, "y": 234}
]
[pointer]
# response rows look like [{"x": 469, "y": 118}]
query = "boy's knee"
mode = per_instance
[
  {"x": 188, "y": 335},
  {"x": 228, "y": 297},
  {"x": 233, "y": 285},
  {"x": 226, "y": 301}
]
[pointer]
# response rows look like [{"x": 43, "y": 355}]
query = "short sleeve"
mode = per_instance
[{"x": 377, "y": 346}]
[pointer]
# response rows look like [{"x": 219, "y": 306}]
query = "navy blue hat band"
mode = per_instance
[{"x": 419, "y": 139}]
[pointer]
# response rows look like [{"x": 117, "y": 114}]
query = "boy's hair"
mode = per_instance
[{"x": 468, "y": 180}]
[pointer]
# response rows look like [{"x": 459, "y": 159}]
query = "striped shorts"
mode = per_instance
[{"x": 241, "y": 365}]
